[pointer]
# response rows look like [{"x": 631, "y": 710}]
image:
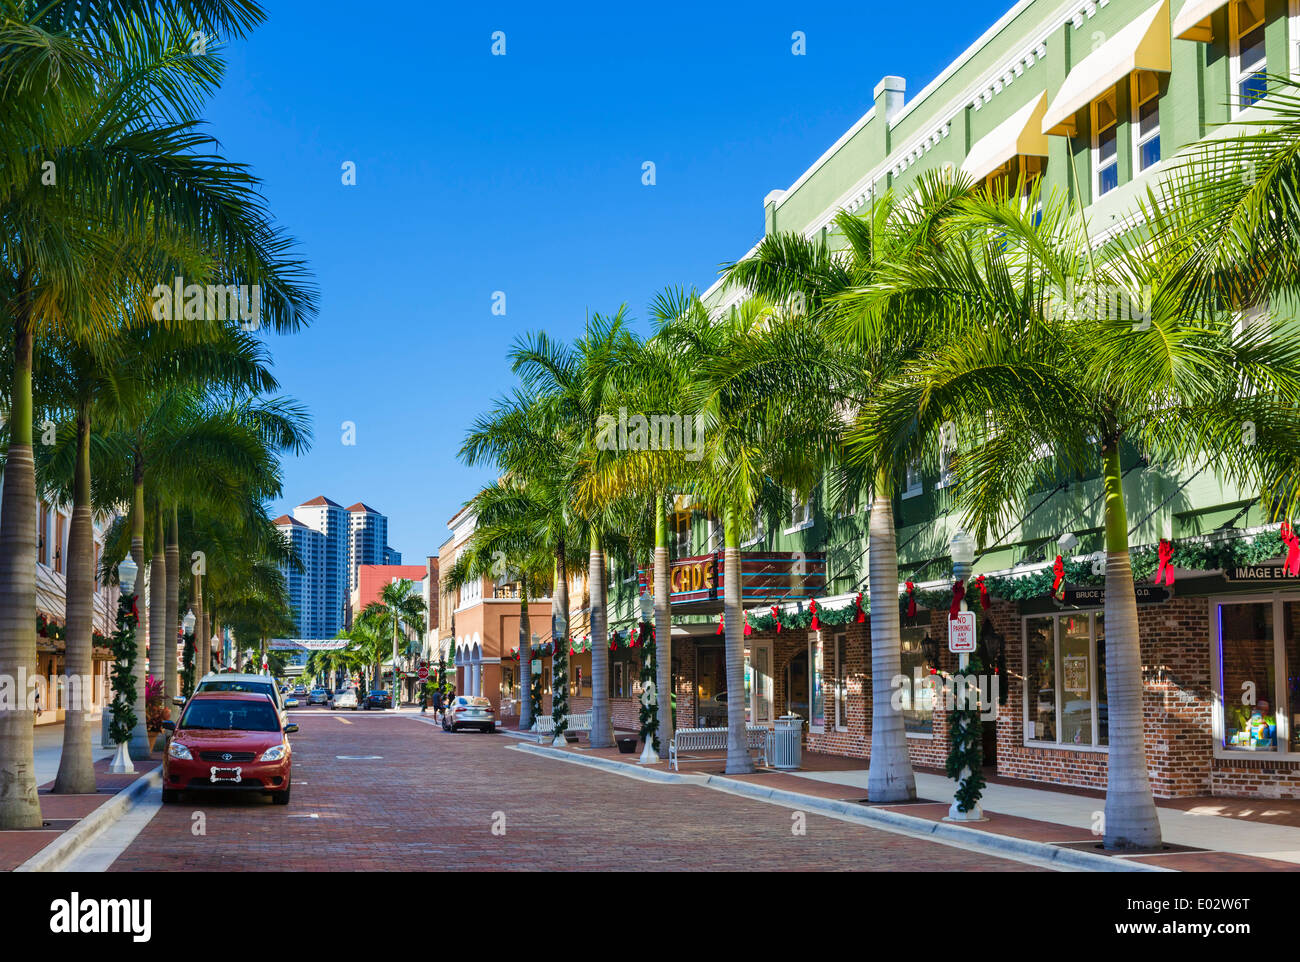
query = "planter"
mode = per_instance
[{"x": 626, "y": 744}]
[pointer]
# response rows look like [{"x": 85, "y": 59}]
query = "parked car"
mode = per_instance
[
  {"x": 344, "y": 698},
  {"x": 232, "y": 741},
  {"x": 245, "y": 684},
  {"x": 300, "y": 691},
  {"x": 377, "y": 699},
  {"x": 319, "y": 696},
  {"x": 469, "y": 711}
]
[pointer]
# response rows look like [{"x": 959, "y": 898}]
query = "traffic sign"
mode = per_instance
[
  {"x": 961, "y": 633},
  {"x": 423, "y": 673}
]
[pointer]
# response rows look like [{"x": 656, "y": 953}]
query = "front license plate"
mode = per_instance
[{"x": 225, "y": 774}]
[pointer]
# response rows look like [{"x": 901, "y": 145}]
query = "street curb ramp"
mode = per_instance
[{"x": 58, "y": 853}]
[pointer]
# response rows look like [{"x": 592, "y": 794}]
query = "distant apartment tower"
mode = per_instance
[
  {"x": 306, "y": 586},
  {"x": 331, "y": 519},
  {"x": 368, "y": 539}
]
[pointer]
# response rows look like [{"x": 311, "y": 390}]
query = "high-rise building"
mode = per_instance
[
  {"x": 331, "y": 519},
  {"x": 332, "y": 542}
]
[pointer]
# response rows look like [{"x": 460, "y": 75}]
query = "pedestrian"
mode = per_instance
[{"x": 437, "y": 703}]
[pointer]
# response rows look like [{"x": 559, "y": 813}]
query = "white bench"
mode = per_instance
[
  {"x": 714, "y": 740},
  {"x": 577, "y": 722}
]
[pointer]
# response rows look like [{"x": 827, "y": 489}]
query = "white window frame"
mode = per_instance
[
  {"x": 1236, "y": 72},
  {"x": 756, "y": 532},
  {"x": 801, "y": 516},
  {"x": 1096, "y": 144},
  {"x": 1094, "y": 680},
  {"x": 914, "y": 484},
  {"x": 946, "y": 477},
  {"x": 1280, "y": 698},
  {"x": 816, "y": 638},
  {"x": 839, "y": 655},
  {"x": 1139, "y": 140}
]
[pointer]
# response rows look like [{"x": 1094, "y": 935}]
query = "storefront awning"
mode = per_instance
[
  {"x": 1142, "y": 45},
  {"x": 1020, "y": 134},
  {"x": 1193, "y": 21}
]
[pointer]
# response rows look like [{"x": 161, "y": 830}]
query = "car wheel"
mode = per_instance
[
  {"x": 453, "y": 728},
  {"x": 281, "y": 798},
  {"x": 170, "y": 796},
  {"x": 491, "y": 730}
]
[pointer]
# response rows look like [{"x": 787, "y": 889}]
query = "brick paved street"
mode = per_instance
[{"x": 429, "y": 803}]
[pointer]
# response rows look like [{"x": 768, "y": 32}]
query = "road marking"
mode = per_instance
[
  {"x": 346, "y": 721},
  {"x": 307, "y": 815},
  {"x": 357, "y": 758}
]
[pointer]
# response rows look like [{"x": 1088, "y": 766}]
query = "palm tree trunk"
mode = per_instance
[
  {"x": 1131, "y": 819},
  {"x": 19, "y": 805},
  {"x": 663, "y": 628},
  {"x": 560, "y": 606},
  {"x": 738, "y": 760},
  {"x": 525, "y": 659},
  {"x": 602, "y": 726},
  {"x": 158, "y": 597},
  {"x": 76, "y": 763},
  {"x": 198, "y": 624},
  {"x": 139, "y": 746},
  {"x": 889, "y": 777},
  {"x": 172, "y": 619}
]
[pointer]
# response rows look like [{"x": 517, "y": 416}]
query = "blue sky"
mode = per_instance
[{"x": 478, "y": 173}]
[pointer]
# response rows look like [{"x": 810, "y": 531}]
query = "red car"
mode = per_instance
[{"x": 228, "y": 741}]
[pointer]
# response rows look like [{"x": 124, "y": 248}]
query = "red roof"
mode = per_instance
[
  {"x": 362, "y": 506},
  {"x": 285, "y": 519},
  {"x": 317, "y": 501}
]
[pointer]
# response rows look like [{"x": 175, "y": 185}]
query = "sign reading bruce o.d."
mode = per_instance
[{"x": 1086, "y": 596}]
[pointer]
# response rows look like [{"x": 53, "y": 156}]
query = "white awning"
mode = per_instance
[
  {"x": 1142, "y": 45},
  {"x": 1193, "y": 21},
  {"x": 1019, "y": 135}
]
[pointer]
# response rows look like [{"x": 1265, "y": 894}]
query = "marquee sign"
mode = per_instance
[
  {"x": 1258, "y": 573},
  {"x": 765, "y": 576}
]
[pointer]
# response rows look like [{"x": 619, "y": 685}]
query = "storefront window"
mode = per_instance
[
  {"x": 710, "y": 686},
  {"x": 1291, "y": 633},
  {"x": 841, "y": 682},
  {"x": 1076, "y": 687},
  {"x": 1103, "y": 718},
  {"x": 1040, "y": 680},
  {"x": 1246, "y": 652},
  {"x": 919, "y": 719},
  {"x": 816, "y": 658}
]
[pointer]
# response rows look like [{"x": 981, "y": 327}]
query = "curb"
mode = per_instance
[
  {"x": 987, "y": 842},
  {"x": 55, "y": 855},
  {"x": 974, "y": 839},
  {"x": 619, "y": 768}
]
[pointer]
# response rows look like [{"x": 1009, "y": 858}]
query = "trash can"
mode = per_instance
[{"x": 785, "y": 743}]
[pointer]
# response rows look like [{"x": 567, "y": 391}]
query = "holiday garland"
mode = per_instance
[
  {"x": 649, "y": 713},
  {"x": 535, "y": 694},
  {"x": 124, "y": 694},
  {"x": 560, "y": 689},
  {"x": 187, "y": 665},
  {"x": 966, "y": 740}
]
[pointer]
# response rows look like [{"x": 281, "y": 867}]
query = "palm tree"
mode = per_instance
[
  {"x": 398, "y": 609},
  {"x": 101, "y": 89},
  {"x": 791, "y": 269},
  {"x": 1029, "y": 354}
]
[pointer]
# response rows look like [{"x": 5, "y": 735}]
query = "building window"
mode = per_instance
[
  {"x": 800, "y": 512},
  {"x": 816, "y": 678},
  {"x": 1105, "y": 144},
  {"x": 841, "y": 675},
  {"x": 912, "y": 483},
  {"x": 755, "y": 534},
  {"x": 918, "y": 719},
  {"x": 1146, "y": 118},
  {"x": 1257, "y": 675},
  {"x": 681, "y": 535},
  {"x": 1065, "y": 680},
  {"x": 1249, "y": 54}
]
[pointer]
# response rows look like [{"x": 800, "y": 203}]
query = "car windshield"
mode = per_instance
[
  {"x": 231, "y": 715},
  {"x": 249, "y": 687}
]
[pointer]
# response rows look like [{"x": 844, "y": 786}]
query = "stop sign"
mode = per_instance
[{"x": 423, "y": 673}]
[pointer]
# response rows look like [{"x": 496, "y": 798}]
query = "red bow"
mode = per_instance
[
  {"x": 857, "y": 604},
  {"x": 911, "y": 600},
  {"x": 722, "y": 622},
  {"x": 776, "y": 616},
  {"x": 748, "y": 630},
  {"x": 985, "y": 602},
  {"x": 1058, "y": 569},
  {"x": 958, "y": 593},
  {"x": 815, "y": 625},
  {"x": 1292, "y": 542},
  {"x": 135, "y": 613},
  {"x": 1166, "y": 569}
]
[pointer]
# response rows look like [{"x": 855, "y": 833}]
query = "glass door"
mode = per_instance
[{"x": 758, "y": 684}]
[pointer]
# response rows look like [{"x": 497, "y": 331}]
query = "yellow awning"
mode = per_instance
[
  {"x": 1020, "y": 134},
  {"x": 1193, "y": 21},
  {"x": 1142, "y": 45}
]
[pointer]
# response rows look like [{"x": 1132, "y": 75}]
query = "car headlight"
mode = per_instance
[
  {"x": 176, "y": 750},
  {"x": 274, "y": 753}
]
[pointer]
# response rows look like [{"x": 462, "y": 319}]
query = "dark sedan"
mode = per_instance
[{"x": 377, "y": 699}]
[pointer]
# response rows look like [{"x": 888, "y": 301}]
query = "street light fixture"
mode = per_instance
[
  {"x": 126, "y": 572},
  {"x": 647, "y": 606},
  {"x": 188, "y": 622},
  {"x": 648, "y": 755},
  {"x": 962, "y": 550}
]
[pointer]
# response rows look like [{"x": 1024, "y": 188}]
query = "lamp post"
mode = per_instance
[
  {"x": 187, "y": 626},
  {"x": 651, "y": 694},
  {"x": 126, "y": 572},
  {"x": 962, "y": 550},
  {"x": 559, "y": 656}
]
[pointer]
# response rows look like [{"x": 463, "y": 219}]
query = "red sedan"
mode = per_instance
[{"x": 228, "y": 741}]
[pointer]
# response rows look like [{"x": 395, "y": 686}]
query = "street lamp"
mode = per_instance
[
  {"x": 962, "y": 550},
  {"x": 188, "y": 622},
  {"x": 649, "y": 695},
  {"x": 126, "y": 572}
]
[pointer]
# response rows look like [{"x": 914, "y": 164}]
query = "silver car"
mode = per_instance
[
  {"x": 233, "y": 681},
  {"x": 344, "y": 698},
  {"x": 319, "y": 696}
]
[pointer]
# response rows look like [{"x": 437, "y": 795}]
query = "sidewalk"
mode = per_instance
[
  {"x": 1200, "y": 834},
  {"x": 70, "y": 821}
]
